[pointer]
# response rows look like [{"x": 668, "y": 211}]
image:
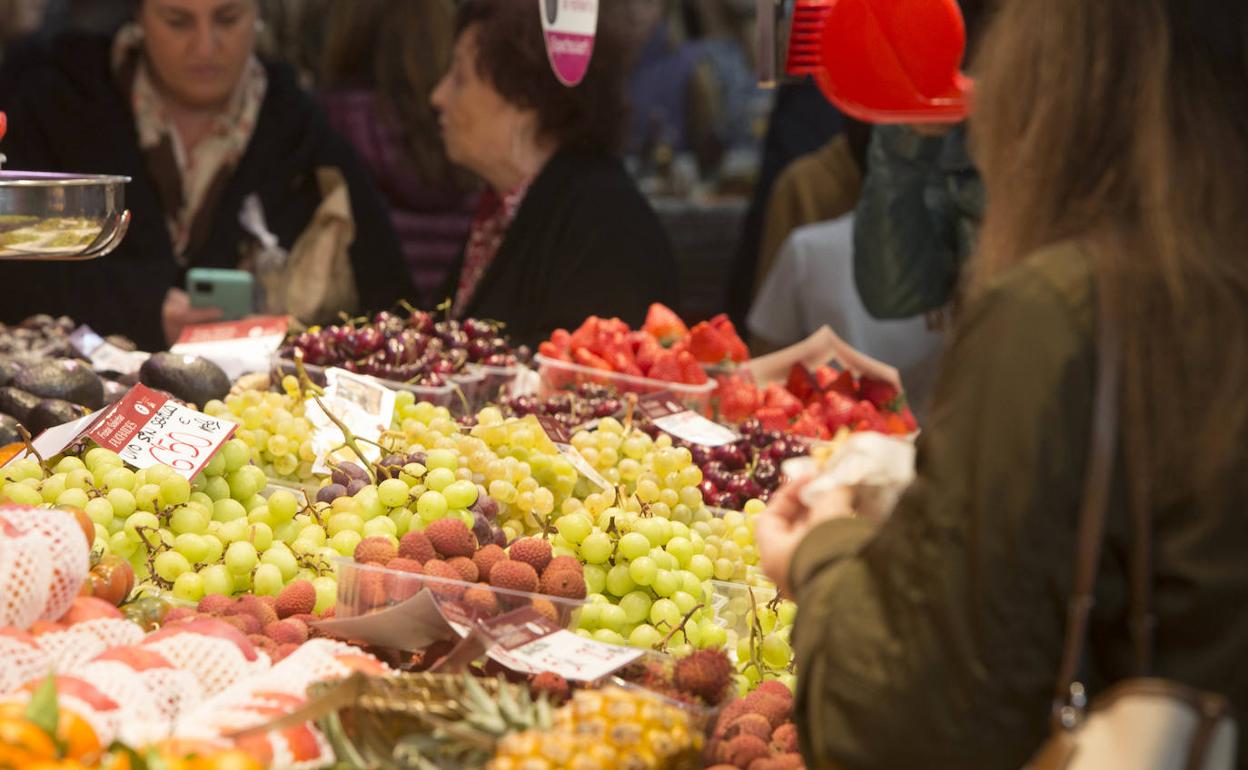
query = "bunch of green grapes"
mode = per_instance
[
  {"x": 760, "y": 627},
  {"x": 274, "y": 427}
]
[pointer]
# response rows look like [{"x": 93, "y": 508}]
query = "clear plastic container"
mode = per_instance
[
  {"x": 459, "y": 395},
  {"x": 501, "y": 381},
  {"x": 366, "y": 588},
  {"x": 561, "y": 375},
  {"x": 731, "y": 603}
]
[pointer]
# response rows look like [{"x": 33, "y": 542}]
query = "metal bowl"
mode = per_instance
[{"x": 51, "y": 217}]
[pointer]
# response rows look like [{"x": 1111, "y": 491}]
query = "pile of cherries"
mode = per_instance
[
  {"x": 571, "y": 409},
  {"x": 416, "y": 349}
]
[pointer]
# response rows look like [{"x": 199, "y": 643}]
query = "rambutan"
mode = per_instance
[
  {"x": 705, "y": 674},
  {"x": 555, "y": 687}
]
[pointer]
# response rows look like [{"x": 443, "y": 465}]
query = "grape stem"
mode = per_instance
[
  {"x": 29, "y": 440},
  {"x": 306, "y": 385},
  {"x": 349, "y": 438},
  {"x": 662, "y": 645}
]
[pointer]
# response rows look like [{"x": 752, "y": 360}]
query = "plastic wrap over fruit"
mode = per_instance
[
  {"x": 25, "y": 579},
  {"x": 62, "y": 545},
  {"x": 215, "y": 652},
  {"x": 23, "y": 658}
]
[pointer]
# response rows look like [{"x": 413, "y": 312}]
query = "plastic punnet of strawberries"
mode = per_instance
[
  {"x": 817, "y": 404},
  {"x": 663, "y": 349}
]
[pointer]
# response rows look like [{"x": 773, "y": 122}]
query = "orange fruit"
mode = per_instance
[
  {"x": 226, "y": 760},
  {"x": 74, "y": 732},
  {"x": 23, "y": 743}
]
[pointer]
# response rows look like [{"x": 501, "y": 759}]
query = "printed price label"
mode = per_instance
[
  {"x": 530, "y": 643},
  {"x": 558, "y": 436},
  {"x": 148, "y": 428},
  {"x": 569, "y": 27},
  {"x": 104, "y": 355},
  {"x": 238, "y": 347},
  {"x": 673, "y": 417},
  {"x": 363, "y": 404}
]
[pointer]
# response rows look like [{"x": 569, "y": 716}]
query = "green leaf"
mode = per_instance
[
  {"x": 44, "y": 710},
  {"x": 155, "y": 762}
]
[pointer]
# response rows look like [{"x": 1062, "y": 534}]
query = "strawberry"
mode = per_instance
[
  {"x": 691, "y": 372},
  {"x": 584, "y": 336},
  {"x": 867, "y": 418},
  {"x": 839, "y": 410},
  {"x": 551, "y": 350},
  {"x": 772, "y": 418},
  {"x": 811, "y": 424},
  {"x": 738, "y": 398},
  {"x": 737, "y": 351},
  {"x": 561, "y": 339},
  {"x": 801, "y": 383},
  {"x": 707, "y": 345},
  {"x": 586, "y": 358},
  {"x": 776, "y": 396},
  {"x": 896, "y": 424},
  {"x": 664, "y": 325},
  {"x": 885, "y": 396},
  {"x": 647, "y": 353},
  {"x": 907, "y": 416},
  {"x": 622, "y": 361},
  {"x": 665, "y": 367},
  {"x": 840, "y": 381}
]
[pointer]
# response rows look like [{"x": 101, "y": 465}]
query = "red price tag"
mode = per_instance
[{"x": 148, "y": 428}]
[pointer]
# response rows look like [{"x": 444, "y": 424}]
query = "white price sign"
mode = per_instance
[
  {"x": 148, "y": 428},
  {"x": 362, "y": 404}
]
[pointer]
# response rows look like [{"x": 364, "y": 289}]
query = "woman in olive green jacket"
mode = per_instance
[{"x": 933, "y": 641}]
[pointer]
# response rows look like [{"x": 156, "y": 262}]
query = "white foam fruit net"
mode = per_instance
[
  {"x": 21, "y": 660},
  {"x": 63, "y": 546},
  {"x": 216, "y": 662},
  {"x": 25, "y": 580}
]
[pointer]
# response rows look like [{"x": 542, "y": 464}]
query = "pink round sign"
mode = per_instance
[{"x": 569, "y": 26}]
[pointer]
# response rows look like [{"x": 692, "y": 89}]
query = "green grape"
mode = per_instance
[
  {"x": 241, "y": 557},
  {"x": 460, "y": 494},
  {"x": 681, "y": 549},
  {"x": 713, "y": 636},
  {"x": 702, "y": 566},
  {"x": 261, "y": 515},
  {"x": 228, "y": 510},
  {"x": 644, "y": 636},
  {"x": 345, "y": 522},
  {"x": 189, "y": 587},
  {"x": 575, "y": 528},
  {"x": 215, "y": 466},
  {"x": 665, "y": 614},
  {"x": 596, "y": 547},
  {"x": 754, "y": 507},
  {"x": 595, "y": 578},
  {"x": 170, "y": 564},
  {"x": 619, "y": 581},
  {"x": 666, "y": 583},
  {"x": 402, "y": 518},
  {"x": 281, "y": 557},
  {"x": 381, "y": 527},
  {"x": 314, "y": 534},
  {"x": 684, "y": 601},
  {"x": 636, "y": 606},
  {"x": 194, "y": 547},
  {"x": 643, "y": 570},
  {"x": 283, "y": 505},
  {"x": 140, "y": 520},
  {"x": 217, "y": 488},
  {"x": 634, "y": 545},
  {"x": 68, "y": 464},
  {"x": 267, "y": 581},
  {"x": 786, "y": 613},
  {"x": 100, "y": 511},
  {"x": 431, "y": 506},
  {"x": 260, "y": 535},
  {"x": 70, "y": 498},
  {"x": 724, "y": 569},
  {"x": 174, "y": 490},
  {"x": 216, "y": 549},
  {"x": 612, "y": 617},
  {"x": 188, "y": 520},
  {"x": 439, "y": 479},
  {"x": 441, "y": 459},
  {"x": 52, "y": 487},
  {"x": 242, "y": 484},
  {"x": 690, "y": 584},
  {"x": 392, "y": 493},
  {"x": 345, "y": 542},
  {"x": 776, "y": 651}
]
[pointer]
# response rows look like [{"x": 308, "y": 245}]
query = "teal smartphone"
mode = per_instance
[{"x": 231, "y": 290}]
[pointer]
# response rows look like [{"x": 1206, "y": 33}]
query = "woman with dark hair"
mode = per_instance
[
  {"x": 1112, "y": 139},
  {"x": 226, "y": 153},
  {"x": 382, "y": 61},
  {"x": 562, "y": 232}
]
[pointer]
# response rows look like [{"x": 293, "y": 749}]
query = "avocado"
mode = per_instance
[
  {"x": 192, "y": 379},
  {"x": 50, "y": 413},
  {"x": 113, "y": 391},
  {"x": 18, "y": 403},
  {"x": 8, "y": 370},
  {"x": 8, "y": 431},
  {"x": 64, "y": 379}
]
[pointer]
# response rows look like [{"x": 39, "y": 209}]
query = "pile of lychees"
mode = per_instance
[
  {"x": 703, "y": 678},
  {"x": 756, "y": 733},
  {"x": 448, "y": 550},
  {"x": 275, "y": 624}
]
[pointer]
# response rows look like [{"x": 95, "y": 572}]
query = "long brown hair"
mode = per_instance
[
  {"x": 401, "y": 48},
  {"x": 1123, "y": 124}
]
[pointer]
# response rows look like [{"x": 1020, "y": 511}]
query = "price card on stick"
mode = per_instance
[
  {"x": 569, "y": 27},
  {"x": 148, "y": 428},
  {"x": 238, "y": 347},
  {"x": 674, "y": 418},
  {"x": 361, "y": 403},
  {"x": 558, "y": 436}
]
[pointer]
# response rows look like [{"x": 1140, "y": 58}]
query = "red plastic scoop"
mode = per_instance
[{"x": 895, "y": 61}]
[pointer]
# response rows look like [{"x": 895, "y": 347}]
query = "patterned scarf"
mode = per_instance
[{"x": 494, "y": 217}]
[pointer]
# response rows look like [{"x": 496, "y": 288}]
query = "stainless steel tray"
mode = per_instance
[{"x": 58, "y": 217}]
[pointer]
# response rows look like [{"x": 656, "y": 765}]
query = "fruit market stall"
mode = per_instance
[{"x": 404, "y": 543}]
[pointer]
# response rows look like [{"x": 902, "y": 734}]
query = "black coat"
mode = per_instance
[
  {"x": 584, "y": 242},
  {"x": 67, "y": 113}
]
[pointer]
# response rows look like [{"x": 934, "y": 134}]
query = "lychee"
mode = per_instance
[
  {"x": 728, "y": 715},
  {"x": 214, "y": 604},
  {"x": 532, "y": 551},
  {"x": 298, "y": 598},
  {"x": 787, "y": 761},
  {"x": 263, "y": 643},
  {"x": 375, "y": 550},
  {"x": 482, "y": 601},
  {"x": 287, "y": 632},
  {"x": 749, "y": 724},
  {"x": 777, "y": 710},
  {"x": 269, "y": 600},
  {"x": 283, "y": 651},
  {"x": 245, "y": 622},
  {"x": 563, "y": 583},
  {"x": 565, "y": 562},
  {"x": 451, "y": 538},
  {"x": 466, "y": 568},
  {"x": 705, "y": 674},
  {"x": 404, "y": 564},
  {"x": 254, "y": 605},
  {"x": 370, "y": 587},
  {"x": 403, "y": 586},
  {"x": 514, "y": 576},
  {"x": 784, "y": 739},
  {"x": 180, "y": 613},
  {"x": 436, "y": 568},
  {"x": 415, "y": 546},
  {"x": 743, "y": 750},
  {"x": 555, "y": 687},
  {"x": 775, "y": 687},
  {"x": 486, "y": 558},
  {"x": 546, "y": 609}
]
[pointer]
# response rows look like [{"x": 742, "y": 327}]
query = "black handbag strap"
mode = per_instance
[{"x": 1069, "y": 698}]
